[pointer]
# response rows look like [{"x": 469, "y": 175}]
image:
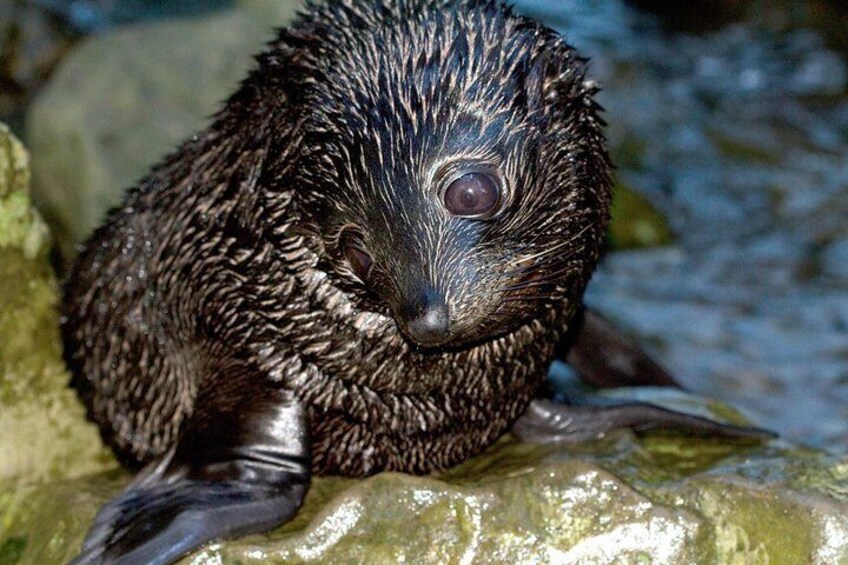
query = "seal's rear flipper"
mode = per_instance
[
  {"x": 547, "y": 421},
  {"x": 243, "y": 468},
  {"x": 604, "y": 357}
]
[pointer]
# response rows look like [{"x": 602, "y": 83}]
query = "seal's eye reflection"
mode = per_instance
[
  {"x": 473, "y": 195},
  {"x": 358, "y": 259}
]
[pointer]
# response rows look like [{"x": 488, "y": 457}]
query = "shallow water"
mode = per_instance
[{"x": 740, "y": 136}]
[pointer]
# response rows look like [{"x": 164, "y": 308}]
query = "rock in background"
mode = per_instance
[{"x": 123, "y": 100}]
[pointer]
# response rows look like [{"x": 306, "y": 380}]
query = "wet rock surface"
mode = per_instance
[{"x": 659, "y": 499}]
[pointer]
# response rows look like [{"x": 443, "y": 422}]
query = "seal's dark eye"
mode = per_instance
[
  {"x": 472, "y": 195},
  {"x": 359, "y": 259}
]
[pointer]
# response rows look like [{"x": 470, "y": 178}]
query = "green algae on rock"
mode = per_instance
[
  {"x": 636, "y": 223},
  {"x": 592, "y": 504},
  {"x": 44, "y": 431}
]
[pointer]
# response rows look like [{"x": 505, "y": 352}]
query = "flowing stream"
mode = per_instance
[{"x": 740, "y": 136}]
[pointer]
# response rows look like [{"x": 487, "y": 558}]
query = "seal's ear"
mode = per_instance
[{"x": 556, "y": 80}]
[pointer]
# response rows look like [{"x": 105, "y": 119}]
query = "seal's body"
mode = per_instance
[
  {"x": 227, "y": 250},
  {"x": 365, "y": 263}
]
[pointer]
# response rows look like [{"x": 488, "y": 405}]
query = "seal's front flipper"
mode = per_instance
[
  {"x": 547, "y": 421},
  {"x": 243, "y": 467},
  {"x": 604, "y": 357}
]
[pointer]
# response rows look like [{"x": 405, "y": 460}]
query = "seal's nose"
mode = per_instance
[
  {"x": 431, "y": 327},
  {"x": 428, "y": 323}
]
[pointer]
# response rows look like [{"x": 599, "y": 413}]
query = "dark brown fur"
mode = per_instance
[{"x": 227, "y": 252}]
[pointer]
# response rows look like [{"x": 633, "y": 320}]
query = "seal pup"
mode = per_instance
[{"x": 367, "y": 262}]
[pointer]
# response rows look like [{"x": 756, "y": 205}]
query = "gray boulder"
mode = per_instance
[{"x": 123, "y": 100}]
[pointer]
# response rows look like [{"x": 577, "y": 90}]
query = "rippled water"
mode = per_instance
[{"x": 741, "y": 137}]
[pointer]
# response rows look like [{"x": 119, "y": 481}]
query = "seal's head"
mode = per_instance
[{"x": 452, "y": 162}]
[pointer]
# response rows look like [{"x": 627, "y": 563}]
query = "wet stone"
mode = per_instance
[
  {"x": 659, "y": 499},
  {"x": 123, "y": 100}
]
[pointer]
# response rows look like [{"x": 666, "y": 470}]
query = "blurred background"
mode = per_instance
[{"x": 728, "y": 121}]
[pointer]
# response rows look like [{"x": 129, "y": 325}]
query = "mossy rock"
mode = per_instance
[
  {"x": 44, "y": 432},
  {"x": 660, "y": 499}
]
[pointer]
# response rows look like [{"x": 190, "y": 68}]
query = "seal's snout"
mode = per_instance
[
  {"x": 431, "y": 327},
  {"x": 427, "y": 320}
]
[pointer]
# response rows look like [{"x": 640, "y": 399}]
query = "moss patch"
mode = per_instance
[
  {"x": 635, "y": 221},
  {"x": 44, "y": 431}
]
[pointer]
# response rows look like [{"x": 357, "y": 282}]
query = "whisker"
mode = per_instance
[
  {"x": 556, "y": 247},
  {"x": 547, "y": 279},
  {"x": 562, "y": 265},
  {"x": 532, "y": 298},
  {"x": 545, "y": 262}
]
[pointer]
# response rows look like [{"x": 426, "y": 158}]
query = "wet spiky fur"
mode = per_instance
[{"x": 229, "y": 249}]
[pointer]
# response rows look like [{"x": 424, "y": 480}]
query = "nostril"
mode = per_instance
[
  {"x": 426, "y": 319},
  {"x": 431, "y": 326}
]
